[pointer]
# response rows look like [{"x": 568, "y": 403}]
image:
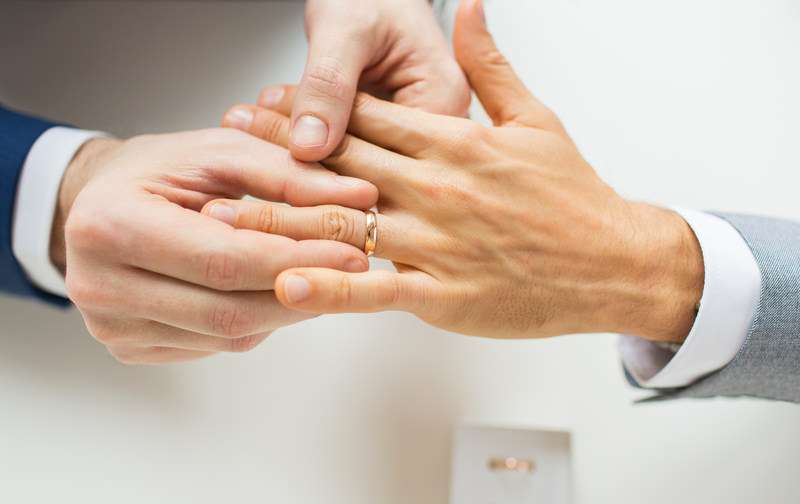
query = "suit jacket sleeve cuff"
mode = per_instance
[
  {"x": 727, "y": 308},
  {"x": 36, "y": 200}
]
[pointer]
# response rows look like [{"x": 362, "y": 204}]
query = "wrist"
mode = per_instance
[
  {"x": 81, "y": 169},
  {"x": 665, "y": 277}
]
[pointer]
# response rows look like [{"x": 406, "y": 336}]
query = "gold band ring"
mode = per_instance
[
  {"x": 511, "y": 464},
  {"x": 372, "y": 233}
]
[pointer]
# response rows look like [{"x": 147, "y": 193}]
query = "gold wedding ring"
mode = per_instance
[
  {"x": 511, "y": 464},
  {"x": 372, "y": 233}
]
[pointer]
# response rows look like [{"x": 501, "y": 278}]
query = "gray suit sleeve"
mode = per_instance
[{"x": 768, "y": 364}]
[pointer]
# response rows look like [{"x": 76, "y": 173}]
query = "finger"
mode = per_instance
[
  {"x": 279, "y": 99},
  {"x": 154, "y": 334},
  {"x": 135, "y": 356},
  {"x": 325, "y": 95},
  {"x": 327, "y": 291},
  {"x": 327, "y": 222},
  {"x": 132, "y": 333},
  {"x": 242, "y": 164},
  {"x": 396, "y": 127},
  {"x": 262, "y": 123},
  {"x": 354, "y": 157},
  {"x": 189, "y": 246},
  {"x": 135, "y": 294},
  {"x": 502, "y": 94}
]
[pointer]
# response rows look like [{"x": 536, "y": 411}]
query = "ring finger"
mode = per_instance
[{"x": 326, "y": 222}]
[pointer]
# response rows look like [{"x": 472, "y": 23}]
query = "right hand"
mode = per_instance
[
  {"x": 155, "y": 280},
  {"x": 504, "y": 232},
  {"x": 390, "y": 48}
]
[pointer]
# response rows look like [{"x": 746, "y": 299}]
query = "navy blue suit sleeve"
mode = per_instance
[{"x": 17, "y": 134}]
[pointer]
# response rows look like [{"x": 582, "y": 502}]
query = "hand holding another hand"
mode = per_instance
[
  {"x": 502, "y": 232},
  {"x": 390, "y": 48},
  {"x": 158, "y": 282}
]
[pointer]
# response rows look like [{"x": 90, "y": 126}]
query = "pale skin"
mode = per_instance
[
  {"x": 504, "y": 232},
  {"x": 156, "y": 281}
]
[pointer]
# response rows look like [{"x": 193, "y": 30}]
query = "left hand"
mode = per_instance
[
  {"x": 502, "y": 232},
  {"x": 394, "y": 48}
]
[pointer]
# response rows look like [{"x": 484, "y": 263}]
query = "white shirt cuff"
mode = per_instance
[
  {"x": 730, "y": 298},
  {"x": 35, "y": 206}
]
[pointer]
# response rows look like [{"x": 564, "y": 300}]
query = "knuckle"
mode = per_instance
[
  {"x": 265, "y": 218},
  {"x": 362, "y": 103},
  {"x": 222, "y": 270},
  {"x": 344, "y": 291},
  {"x": 87, "y": 293},
  {"x": 84, "y": 231},
  {"x": 126, "y": 357},
  {"x": 445, "y": 189},
  {"x": 244, "y": 344},
  {"x": 494, "y": 58},
  {"x": 272, "y": 127},
  {"x": 394, "y": 290},
  {"x": 103, "y": 333},
  {"x": 231, "y": 321},
  {"x": 327, "y": 80},
  {"x": 468, "y": 143},
  {"x": 336, "y": 225},
  {"x": 78, "y": 290},
  {"x": 474, "y": 135}
]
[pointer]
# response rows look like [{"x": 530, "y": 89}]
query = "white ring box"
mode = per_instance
[{"x": 496, "y": 465}]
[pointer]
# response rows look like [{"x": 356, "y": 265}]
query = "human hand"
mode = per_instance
[
  {"x": 392, "y": 48},
  {"x": 155, "y": 280},
  {"x": 504, "y": 232}
]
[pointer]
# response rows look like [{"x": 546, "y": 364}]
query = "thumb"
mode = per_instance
[
  {"x": 326, "y": 92},
  {"x": 502, "y": 94},
  {"x": 321, "y": 290}
]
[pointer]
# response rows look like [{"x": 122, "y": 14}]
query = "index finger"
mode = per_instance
[
  {"x": 353, "y": 157},
  {"x": 244, "y": 164},
  {"x": 401, "y": 129}
]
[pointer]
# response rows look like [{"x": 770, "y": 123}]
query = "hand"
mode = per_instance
[
  {"x": 392, "y": 48},
  {"x": 504, "y": 232},
  {"x": 155, "y": 280}
]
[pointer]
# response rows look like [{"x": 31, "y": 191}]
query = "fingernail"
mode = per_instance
[
  {"x": 239, "y": 118},
  {"x": 297, "y": 288},
  {"x": 309, "y": 131},
  {"x": 223, "y": 213},
  {"x": 349, "y": 181},
  {"x": 272, "y": 96}
]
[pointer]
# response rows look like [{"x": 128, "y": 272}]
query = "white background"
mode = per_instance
[{"x": 682, "y": 102}]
